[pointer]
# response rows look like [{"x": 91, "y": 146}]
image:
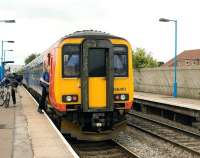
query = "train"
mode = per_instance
[{"x": 90, "y": 83}]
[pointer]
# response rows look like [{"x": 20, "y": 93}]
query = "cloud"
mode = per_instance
[
  {"x": 41, "y": 22},
  {"x": 59, "y": 10}
]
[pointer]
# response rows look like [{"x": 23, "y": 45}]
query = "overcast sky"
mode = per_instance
[{"x": 39, "y": 23}]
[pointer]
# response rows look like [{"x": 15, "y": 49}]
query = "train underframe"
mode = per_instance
[
  {"x": 96, "y": 125},
  {"x": 93, "y": 126}
]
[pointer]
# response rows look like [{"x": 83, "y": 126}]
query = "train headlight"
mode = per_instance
[
  {"x": 123, "y": 97},
  {"x": 69, "y": 98}
]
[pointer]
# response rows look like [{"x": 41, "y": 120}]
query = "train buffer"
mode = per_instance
[
  {"x": 183, "y": 110},
  {"x": 24, "y": 133}
]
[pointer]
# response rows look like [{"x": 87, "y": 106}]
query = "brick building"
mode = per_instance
[{"x": 186, "y": 58}]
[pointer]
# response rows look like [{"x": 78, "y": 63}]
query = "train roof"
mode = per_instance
[
  {"x": 77, "y": 34},
  {"x": 90, "y": 34}
]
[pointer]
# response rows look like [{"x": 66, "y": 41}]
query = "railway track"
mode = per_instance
[
  {"x": 185, "y": 139},
  {"x": 103, "y": 149}
]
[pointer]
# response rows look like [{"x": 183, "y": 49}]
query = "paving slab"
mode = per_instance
[
  {"x": 6, "y": 140},
  {"x": 7, "y": 118},
  {"x": 7, "y": 125},
  {"x": 24, "y": 133},
  {"x": 22, "y": 147},
  {"x": 44, "y": 140}
]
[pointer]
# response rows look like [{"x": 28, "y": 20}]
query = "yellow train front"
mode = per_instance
[{"x": 91, "y": 84}]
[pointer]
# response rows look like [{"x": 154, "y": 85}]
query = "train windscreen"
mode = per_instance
[
  {"x": 97, "y": 62},
  {"x": 120, "y": 61},
  {"x": 71, "y": 61}
]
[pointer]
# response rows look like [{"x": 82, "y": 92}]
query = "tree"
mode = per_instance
[
  {"x": 30, "y": 58},
  {"x": 160, "y": 63},
  {"x": 142, "y": 59}
]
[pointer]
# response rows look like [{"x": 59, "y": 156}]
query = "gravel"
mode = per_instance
[{"x": 148, "y": 146}]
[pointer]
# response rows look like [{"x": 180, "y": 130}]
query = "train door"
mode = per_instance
[{"x": 97, "y": 75}]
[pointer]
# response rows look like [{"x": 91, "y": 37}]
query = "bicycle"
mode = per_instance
[
  {"x": 5, "y": 95},
  {"x": 8, "y": 87},
  {"x": 1, "y": 91}
]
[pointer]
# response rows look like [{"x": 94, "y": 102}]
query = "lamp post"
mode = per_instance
[
  {"x": 2, "y": 52},
  {"x": 2, "y": 65},
  {"x": 175, "y": 55},
  {"x": 4, "y": 55},
  {"x": 6, "y": 21}
]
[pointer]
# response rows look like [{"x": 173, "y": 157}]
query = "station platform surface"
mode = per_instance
[
  {"x": 170, "y": 100},
  {"x": 24, "y": 133}
]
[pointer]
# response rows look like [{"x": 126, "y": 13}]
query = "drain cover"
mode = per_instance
[{"x": 2, "y": 126}]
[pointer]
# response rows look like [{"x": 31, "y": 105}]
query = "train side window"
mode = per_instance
[
  {"x": 120, "y": 61},
  {"x": 71, "y": 61}
]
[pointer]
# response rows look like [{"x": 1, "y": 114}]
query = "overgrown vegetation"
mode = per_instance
[
  {"x": 142, "y": 59},
  {"x": 30, "y": 58}
]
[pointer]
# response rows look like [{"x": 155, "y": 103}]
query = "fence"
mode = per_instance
[{"x": 160, "y": 80}]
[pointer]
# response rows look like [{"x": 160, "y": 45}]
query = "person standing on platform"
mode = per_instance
[{"x": 44, "y": 82}]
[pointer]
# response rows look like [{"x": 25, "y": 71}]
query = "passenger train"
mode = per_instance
[{"x": 91, "y": 83}]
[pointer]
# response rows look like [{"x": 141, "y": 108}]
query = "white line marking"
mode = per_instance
[{"x": 57, "y": 131}]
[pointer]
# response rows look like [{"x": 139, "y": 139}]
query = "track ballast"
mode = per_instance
[{"x": 185, "y": 139}]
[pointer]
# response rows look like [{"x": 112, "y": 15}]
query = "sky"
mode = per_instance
[{"x": 40, "y": 23}]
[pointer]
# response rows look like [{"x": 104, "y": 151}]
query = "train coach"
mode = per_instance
[{"x": 90, "y": 86}]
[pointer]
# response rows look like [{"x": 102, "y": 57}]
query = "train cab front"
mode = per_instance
[{"x": 96, "y": 87}]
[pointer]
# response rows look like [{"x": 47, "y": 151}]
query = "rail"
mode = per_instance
[
  {"x": 102, "y": 149},
  {"x": 183, "y": 138}
]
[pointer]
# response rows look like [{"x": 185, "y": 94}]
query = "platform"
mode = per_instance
[
  {"x": 24, "y": 133},
  {"x": 190, "y": 107}
]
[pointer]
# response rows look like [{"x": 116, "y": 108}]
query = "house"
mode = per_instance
[{"x": 186, "y": 58}]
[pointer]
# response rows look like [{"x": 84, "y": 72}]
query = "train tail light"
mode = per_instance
[
  {"x": 74, "y": 98},
  {"x": 117, "y": 97}
]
